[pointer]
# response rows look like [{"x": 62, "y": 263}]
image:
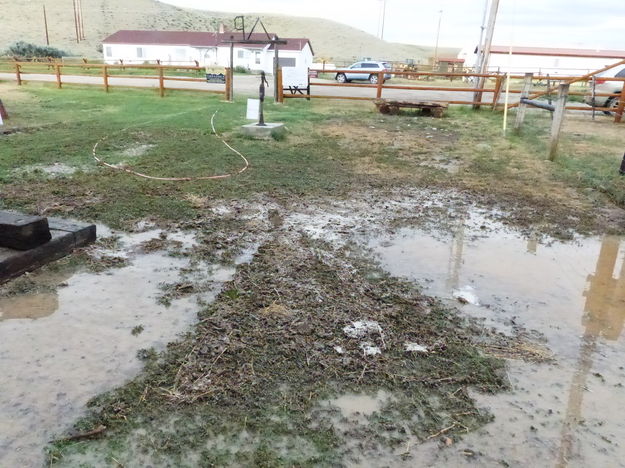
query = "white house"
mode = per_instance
[
  {"x": 544, "y": 60},
  {"x": 207, "y": 48}
]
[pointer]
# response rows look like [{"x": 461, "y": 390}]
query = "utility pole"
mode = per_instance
[
  {"x": 82, "y": 21},
  {"x": 438, "y": 32},
  {"x": 383, "y": 19},
  {"x": 483, "y": 60},
  {"x": 76, "y": 22},
  {"x": 480, "y": 47},
  {"x": 45, "y": 23}
]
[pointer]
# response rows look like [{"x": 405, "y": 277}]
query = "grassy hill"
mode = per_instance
[{"x": 23, "y": 20}]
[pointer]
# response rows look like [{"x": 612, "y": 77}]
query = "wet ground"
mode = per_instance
[
  {"x": 80, "y": 334},
  {"x": 62, "y": 347},
  {"x": 572, "y": 296}
]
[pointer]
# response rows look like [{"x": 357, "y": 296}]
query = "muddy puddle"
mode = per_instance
[
  {"x": 569, "y": 297},
  {"x": 80, "y": 334}
]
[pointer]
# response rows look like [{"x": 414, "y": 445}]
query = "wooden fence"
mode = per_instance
[
  {"x": 494, "y": 85},
  {"x": 160, "y": 77}
]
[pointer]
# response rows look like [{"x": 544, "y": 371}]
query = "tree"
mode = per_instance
[{"x": 26, "y": 50}]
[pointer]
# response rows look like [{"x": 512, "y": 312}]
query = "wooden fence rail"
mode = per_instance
[
  {"x": 23, "y": 69},
  {"x": 496, "y": 90}
]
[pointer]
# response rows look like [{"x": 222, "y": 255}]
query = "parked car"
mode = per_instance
[
  {"x": 605, "y": 87},
  {"x": 373, "y": 67}
]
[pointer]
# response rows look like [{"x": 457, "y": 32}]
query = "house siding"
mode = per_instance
[{"x": 219, "y": 56}]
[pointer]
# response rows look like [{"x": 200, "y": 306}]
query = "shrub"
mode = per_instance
[
  {"x": 240, "y": 69},
  {"x": 26, "y": 50}
]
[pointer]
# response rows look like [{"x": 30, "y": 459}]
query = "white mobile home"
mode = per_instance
[
  {"x": 206, "y": 48},
  {"x": 544, "y": 60}
]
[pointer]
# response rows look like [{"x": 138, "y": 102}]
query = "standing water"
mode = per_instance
[
  {"x": 566, "y": 412},
  {"x": 60, "y": 348}
]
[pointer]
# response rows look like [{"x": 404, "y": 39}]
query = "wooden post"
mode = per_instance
[
  {"x": 497, "y": 92},
  {"x": 161, "y": 81},
  {"x": 558, "y": 118},
  {"x": 231, "y": 74},
  {"x": 17, "y": 74},
  {"x": 105, "y": 77},
  {"x": 525, "y": 92},
  {"x": 3, "y": 112},
  {"x": 280, "y": 86},
  {"x": 229, "y": 84},
  {"x": 276, "y": 66},
  {"x": 380, "y": 84},
  {"x": 618, "y": 115},
  {"x": 57, "y": 69}
]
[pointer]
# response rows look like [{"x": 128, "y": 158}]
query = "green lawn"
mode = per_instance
[{"x": 332, "y": 148}]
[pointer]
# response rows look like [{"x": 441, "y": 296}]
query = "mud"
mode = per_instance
[{"x": 78, "y": 333}]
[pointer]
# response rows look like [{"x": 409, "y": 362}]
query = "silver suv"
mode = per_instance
[
  {"x": 606, "y": 87},
  {"x": 373, "y": 67}
]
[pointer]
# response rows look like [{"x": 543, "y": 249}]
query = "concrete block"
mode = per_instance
[{"x": 270, "y": 130}]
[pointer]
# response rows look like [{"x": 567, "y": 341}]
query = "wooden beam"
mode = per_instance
[
  {"x": 497, "y": 92},
  {"x": 17, "y": 74},
  {"x": 525, "y": 92},
  {"x": 22, "y": 232},
  {"x": 618, "y": 115},
  {"x": 574, "y": 80},
  {"x": 558, "y": 119},
  {"x": 105, "y": 78},
  {"x": 57, "y": 70}
]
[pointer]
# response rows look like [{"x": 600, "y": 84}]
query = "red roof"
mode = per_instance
[
  {"x": 190, "y": 38},
  {"x": 197, "y": 39},
  {"x": 548, "y": 51}
]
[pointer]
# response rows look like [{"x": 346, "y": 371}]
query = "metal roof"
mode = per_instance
[{"x": 554, "y": 52}]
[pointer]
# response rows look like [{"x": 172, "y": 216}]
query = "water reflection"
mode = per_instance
[
  {"x": 604, "y": 314},
  {"x": 36, "y": 304},
  {"x": 564, "y": 291}
]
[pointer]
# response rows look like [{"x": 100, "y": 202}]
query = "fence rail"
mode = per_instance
[
  {"x": 22, "y": 70},
  {"x": 494, "y": 84}
]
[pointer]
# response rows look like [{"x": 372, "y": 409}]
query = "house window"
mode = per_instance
[
  {"x": 287, "y": 61},
  {"x": 241, "y": 54},
  {"x": 257, "y": 58},
  {"x": 109, "y": 51},
  {"x": 139, "y": 52}
]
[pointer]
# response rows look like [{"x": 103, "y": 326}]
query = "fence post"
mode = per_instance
[
  {"x": 57, "y": 70},
  {"x": 280, "y": 87},
  {"x": 380, "y": 84},
  {"x": 497, "y": 92},
  {"x": 17, "y": 74},
  {"x": 161, "y": 81},
  {"x": 618, "y": 115},
  {"x": 105, "y": 77},
  {"x": 229, "y": 93},
  {"x": 525, "y": 92},
  {"x": 558, "y": 118}
]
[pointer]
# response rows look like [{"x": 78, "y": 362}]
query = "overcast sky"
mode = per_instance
[{"x": 555, "y": 23}]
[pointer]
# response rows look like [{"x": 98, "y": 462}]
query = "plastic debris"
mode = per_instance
[{"x": 416, "y": 348}]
